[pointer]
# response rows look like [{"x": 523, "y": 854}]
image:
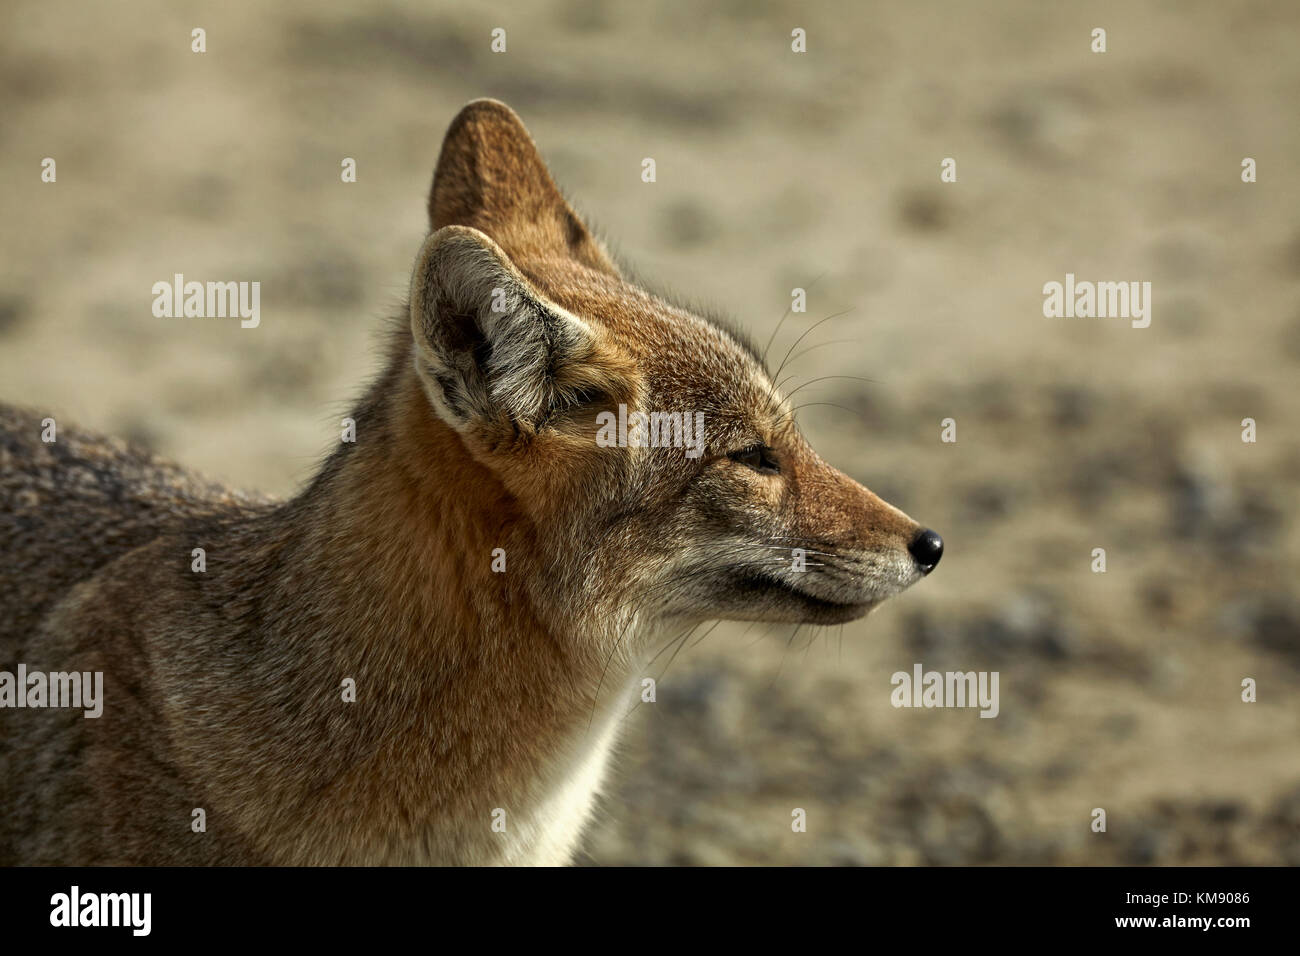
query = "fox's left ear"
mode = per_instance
[
  {"x": 491, "y": 177},
  {"x": 491, "y": 351}
]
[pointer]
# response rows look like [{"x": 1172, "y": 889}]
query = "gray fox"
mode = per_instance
[{"x": 422, "y": 657}]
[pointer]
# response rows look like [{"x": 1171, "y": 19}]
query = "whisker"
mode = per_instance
[
  {"x": 823, "y": 378},
  {"x": 781, "y": 666},
  {"x": 699, "y": 639},
  {"x": 822, "y": 345},
  {"x": 789, "y": 310},
  {"x": 851, "y": 411},
  {"x": 805, "y": 334}
]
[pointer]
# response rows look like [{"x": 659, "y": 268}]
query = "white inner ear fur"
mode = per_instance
[{"x": 462, "y": 272}]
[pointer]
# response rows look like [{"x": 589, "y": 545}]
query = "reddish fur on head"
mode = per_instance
[{"x": 525, "y": 386}]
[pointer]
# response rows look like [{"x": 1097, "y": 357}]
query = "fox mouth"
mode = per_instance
[{"x": 769, "y": 593}]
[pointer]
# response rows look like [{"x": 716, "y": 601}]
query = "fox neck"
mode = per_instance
[
  {"x": 494, "y": 697},
  {"x": 431, "y": 534}
]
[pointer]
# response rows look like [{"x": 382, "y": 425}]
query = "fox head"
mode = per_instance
[{"x": 656, "y": 463}]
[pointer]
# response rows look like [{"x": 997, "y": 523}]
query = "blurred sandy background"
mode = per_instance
[{"x": 1118, "y": 690}]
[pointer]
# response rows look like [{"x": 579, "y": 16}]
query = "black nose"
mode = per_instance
[{"x": 927, "y": 549}]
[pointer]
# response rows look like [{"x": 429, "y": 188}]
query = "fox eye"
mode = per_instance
[{"x": 758, "y": 457}]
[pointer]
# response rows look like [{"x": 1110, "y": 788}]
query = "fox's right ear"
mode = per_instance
[
  {"x": 491, "y": 351},
  {"x": 491, "y": 177}
]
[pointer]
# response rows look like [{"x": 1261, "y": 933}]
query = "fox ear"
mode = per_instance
[
  {"x": 492, "y": 351},
  {"x": 490, "y": 176}
]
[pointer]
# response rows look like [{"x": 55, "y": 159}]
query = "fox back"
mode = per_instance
[{"x": 422, "y": 656}]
